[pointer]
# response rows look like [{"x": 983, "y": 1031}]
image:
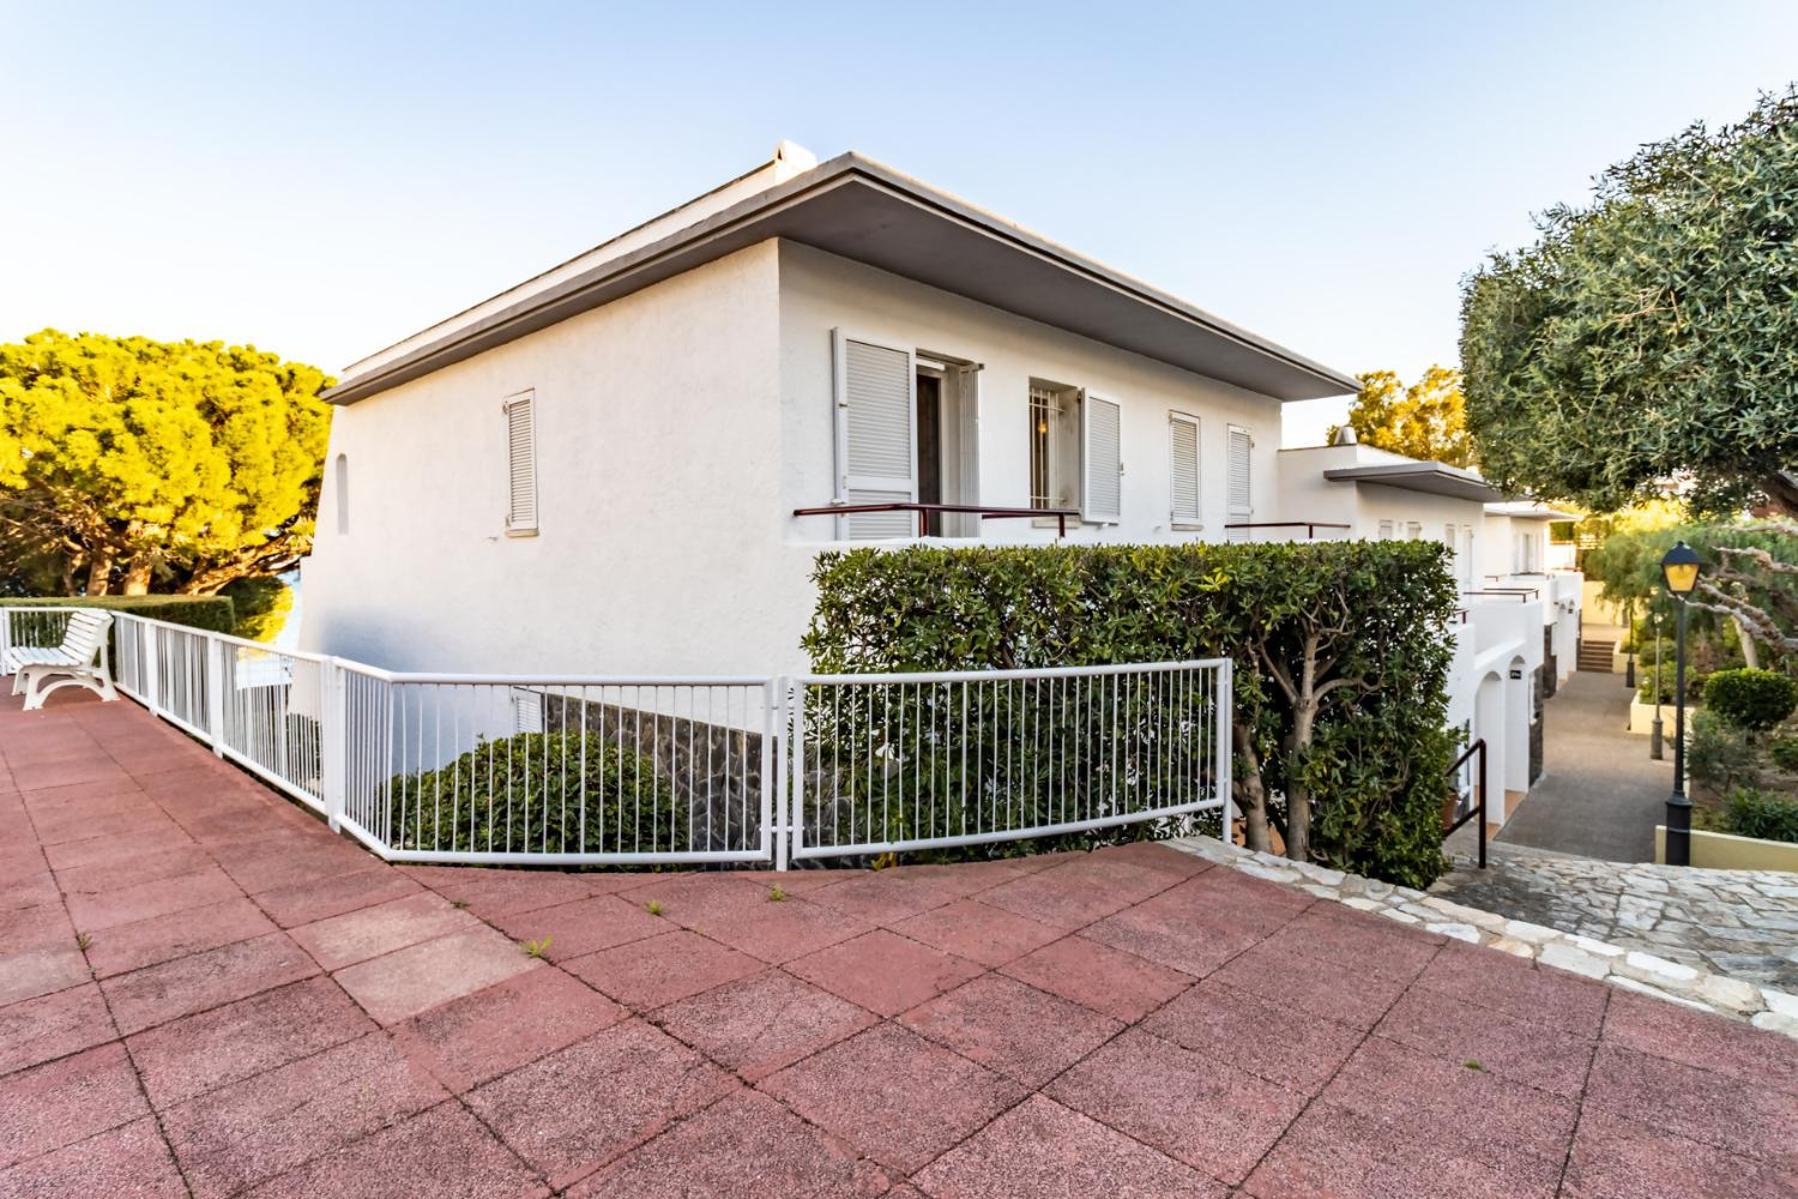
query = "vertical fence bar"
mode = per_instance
[
  {"x": 1221, "y": 767},
  {"x": 333, "y": 760},
  {"x": 214, "y": 658}
]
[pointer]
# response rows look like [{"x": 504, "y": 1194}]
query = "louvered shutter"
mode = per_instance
[
  {"x": 877, "y": 435},
  {"x": 1102, "y": 493},
  {"x": 1241, "y": 494},
  {"x": 1183, "y": 468},
  {"x": 521, "y": 464}
]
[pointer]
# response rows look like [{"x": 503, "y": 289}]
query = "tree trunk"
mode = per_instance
[
  {"x": 1298, "y": 796},
  {"x": 99, "y": 573},
  {"x": 1751, "y": 657},
  {"x": 137, "y": 574},
  {"x": 1251, "y": 794}
]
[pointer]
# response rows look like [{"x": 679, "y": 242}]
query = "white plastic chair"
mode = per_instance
[{"x": 81, "y": 660}]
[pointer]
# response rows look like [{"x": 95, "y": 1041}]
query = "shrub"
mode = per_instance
[
  {"x": 262, "y": 605},
  {"x": 1751, "y": 699},
  {"x": 546, "y": 792},
  {"x": 1784, "y": 752},
  {"x": 214, "y": 613},
  {"x": 1375, "y": 771},
  {"x": 1718, "y": 754},
  {"x": 1754, "y": 813}
]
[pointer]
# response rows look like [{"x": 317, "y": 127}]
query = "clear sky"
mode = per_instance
[{"x": 323, "y": 179}]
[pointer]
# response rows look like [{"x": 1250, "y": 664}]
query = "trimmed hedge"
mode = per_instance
[
  {"x": 214, "y": 613},
  {"x": 531, "y": 792},
  {"x": 1754, "y": 813},
  {"x": 1756, "y": 700},
  {"x": 1376, "y": 767}
]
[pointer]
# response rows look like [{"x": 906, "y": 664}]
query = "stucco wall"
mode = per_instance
[{"x": 658, "y": 452}]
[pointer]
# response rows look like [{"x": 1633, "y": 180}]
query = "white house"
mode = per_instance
[{"x": 616, "y": 449}]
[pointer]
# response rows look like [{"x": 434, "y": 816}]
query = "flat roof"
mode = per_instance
[
  {"x": 863, "y": 210},
  {"x": 1436, "y": 478}
]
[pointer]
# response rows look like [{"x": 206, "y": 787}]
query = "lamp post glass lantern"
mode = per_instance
[{"x": 1679, "y": 571}]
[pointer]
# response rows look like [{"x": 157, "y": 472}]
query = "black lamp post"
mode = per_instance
[{"x": 1679, "y": 571}]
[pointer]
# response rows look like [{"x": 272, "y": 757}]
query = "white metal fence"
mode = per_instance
[{"x": 608, "y": 770}]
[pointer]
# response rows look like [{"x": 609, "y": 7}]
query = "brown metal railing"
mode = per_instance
[
  {"x": 924, "y": 511},
  {"x": 1477, "y": 749},
  {"x": 1310, "y": 526}
]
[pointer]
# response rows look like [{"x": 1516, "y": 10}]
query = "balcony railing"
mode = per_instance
[
  {"x": 1310, "y": 526},
  {"x": 1058, "y": 515}
]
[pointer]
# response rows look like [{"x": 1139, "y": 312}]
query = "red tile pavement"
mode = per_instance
[{"x": 257, "y": 1007}]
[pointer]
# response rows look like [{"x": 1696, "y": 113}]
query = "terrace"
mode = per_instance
[{"x": 203, "y": 991}]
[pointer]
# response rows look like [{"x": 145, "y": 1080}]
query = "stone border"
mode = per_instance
[{"x": 1629, "y": 969}]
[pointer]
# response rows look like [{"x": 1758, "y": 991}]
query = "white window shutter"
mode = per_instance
[
  {"x": 1183, "y": 468},
  {"x": 527, "y": 710},
  {"x": 1240, "y": 491},
  {"x": 521, "y": 463},
  {"x": 1385, "y": 530},
  {"x": 1101, "y": 458},
  {"x": 877, "y": 434}
]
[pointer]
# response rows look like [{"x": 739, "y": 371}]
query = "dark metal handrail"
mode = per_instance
[
  {"x": 1310, "y": 526},
  {"x": 1479, "y": 789},
  {"x": 1060, "y": 515}
]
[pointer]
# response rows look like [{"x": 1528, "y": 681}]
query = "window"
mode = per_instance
[
  {"x": 1183, "y": 468},
  {"x": 1241, "y": 491},
  {"x": 521, "y": 464},
  {"x": 527, "y": 710},
  {"x": 1467, "y": 555},
  {"x": 1054, "y": 445},
  {"x": 1414, "y": 530},
  {"x": 343, "y": 494},
  {"x": 1385, "y": 530},
  {"x": 877, "y": 434}
]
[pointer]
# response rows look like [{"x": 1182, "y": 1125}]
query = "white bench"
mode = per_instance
[{"x": 80, "y": 661}]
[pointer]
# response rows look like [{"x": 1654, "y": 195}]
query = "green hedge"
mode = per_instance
[
  {"x": 1756, "y": 700},
  {"x": 1376, "y": 768},
  {"x": 1754, "y": 813},
  {"x": 214, "y": 613},
  {"x": 541, "y": 792}
]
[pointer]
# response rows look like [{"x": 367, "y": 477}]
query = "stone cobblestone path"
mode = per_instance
[
  {"x": 1739, "y": 923},
  {"x": 203, "y": 992}
]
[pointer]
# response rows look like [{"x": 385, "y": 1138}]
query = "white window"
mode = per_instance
[
  {"x": 1385, "y": 530},
  {"x": 1102, "y": 483},
  {"x": 1183, "y": 469},
  {"x": 527, "y": 710},
  {"x": 1467, "y": 556},
  {"x": 1414, "y": 530},
  {"x": 1054, "y": 445},
  {"x": 343, "y": 493},
  {"x": 521, "y": 464},
  {"x": 877, "y": 434},
  {"x": 1241, "y": 493}
]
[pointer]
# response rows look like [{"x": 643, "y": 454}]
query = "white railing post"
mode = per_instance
[
  {"x": 215, "y": 694},
  {"x": 1226, "y": 699},
  {"x": 774, "y": 752},
  {"x": 153, "y": 670},
  {"x": 795, "y": 838},
  {"x": 333, "y": 761}
]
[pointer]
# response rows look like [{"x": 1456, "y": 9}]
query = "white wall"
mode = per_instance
[{"x": 658, "y": 465}]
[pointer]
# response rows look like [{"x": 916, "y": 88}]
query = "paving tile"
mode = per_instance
[
  {"x": 1267, "y": 1038},
  {"x": 893, "y": 1095},
  {"x": 745, "y": 1145},
  {"x": 241, "y": 1134},
  {"x": 62, "y": 772},
  {"x": 1161, "y": 1095},
  {"x": 33, "y": 972},
  {"x": 207, "y": 1050},
  {"x": 316, "y": 858},
  {"x": 443, "y": 1153},
  {"x": 408, "y": 981},
  {"x": 889, "y": 896},
  {"x": 303, "y": 903},
  {"x": 1023, "y": 1033},
  {"x": 1513, "y": 1129},
  {"x": 129, "y": 1162},
  {"x": 686, "y": 898},
  {"x": 1169, "y": 939},
  {"x": 577, "y": 1109},
  {"x": 339, "y": 941},
  {"x": 1040, "y": 1148},
  {"x": 1703, "y": 1040},
  {"x": 503, "y": 892},
  {"x": 586, "y": 926},
  {"x": 28, "y": 890},
  {"x": 109, "y": 849},
  {"x": 884, "y": 972},
  {"x": 1335, "y": 991},
  {"x": 1156, "y": 855},
  {"x": 1110, "y": 981},
  {"x": 1616, "y": 1158},
  {"x": 480, "y": 1036},
  {"x": 1712, "y": 1109},
  {"x": 971, "y": 929},
  {"x": 647, "y": 974},
  {"x": 53, "y": 1026},
  {"x": 1064, "y": 901},
  {"x": 158, "y": 994},
  {"x": 1340, "y": 936},
  {"x": 1518, "y": 988},
  {"x": 67, "y": 1100},
  {"x": 1537, "y": 1055},
  {"x": 778, "y": 931},
  {"x": 762, "y": 1023},
  {"x": 127, "y": 905},
  {"x": 1230, "y": 900},
  {"x": 128, "y": 947},
  {"x": 1332, "y": 1151}
]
